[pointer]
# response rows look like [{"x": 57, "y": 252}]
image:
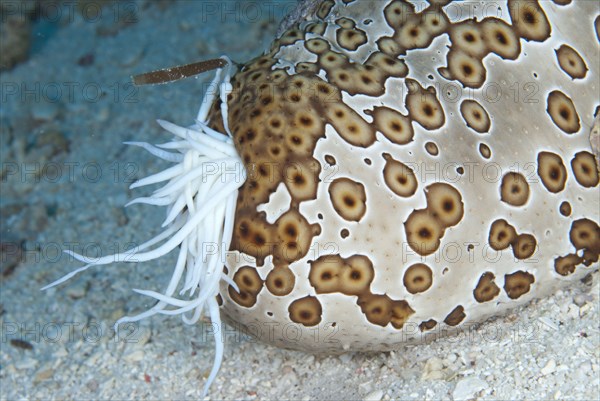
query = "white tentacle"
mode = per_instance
[{"x": 200, "y": 195}]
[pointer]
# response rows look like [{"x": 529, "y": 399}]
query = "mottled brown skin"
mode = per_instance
[{"x": 278, "y": 116}]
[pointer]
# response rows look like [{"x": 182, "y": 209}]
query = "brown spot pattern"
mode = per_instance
[
  {"x": 456, "y": 316},
  {"x": 475, "y": 116},
  {"x": 552, "y": 171},
  {"x": 418, "y": 278},
  {"x": 382, "y": 310},
  {"x": 399, "y": 178},
  {"x": 565, "y": 209},
  {"x": 562, "y": 111},
  {"x": 485, "y": 151},
  {"x": 518, "y": 284},
  {"x": 565, "y": 265},
  {"x": 427, "y": 325},
  {"x": 585, "y": 169},
  {"x": 524, "y": 246},
  {"x": 514, "y": 189},
  {"x": 350, "y": 276},
  {"x": 250, "y": 285},
  {"x": 306, "y": 311},
  {"x": 529, "y": 20},
  {"x": 280, "y": 281},
  {"x": 502, "y": 235},
  {"x": 348, "y": 198},
  {"x": 432, "y": 148},
  {"x": 585, "y": 235},
  {"x": 571, "y": 62},
  {"x": 425, "y": 228},
  {"x": 486, "y": 288},
  {"x": 423, "y": 105},
  {"x": 393, "y": 125}
]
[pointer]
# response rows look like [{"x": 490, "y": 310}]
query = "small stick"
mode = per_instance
[{"x": 176, "y": 73}]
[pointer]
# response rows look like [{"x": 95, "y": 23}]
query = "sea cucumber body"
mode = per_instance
[{"x": 413, "y": 168}]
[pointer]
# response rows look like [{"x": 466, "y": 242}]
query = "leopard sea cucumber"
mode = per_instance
[
  {"x": 397, "y": 184},
  {"x": 386, "y": 171}
]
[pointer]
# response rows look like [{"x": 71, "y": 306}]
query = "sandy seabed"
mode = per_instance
[{"x": 64, "y": 115}]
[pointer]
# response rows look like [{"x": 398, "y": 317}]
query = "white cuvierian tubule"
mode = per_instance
[{"x": 200, "y": 196}]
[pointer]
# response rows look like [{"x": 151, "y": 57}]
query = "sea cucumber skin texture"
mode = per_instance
[{"x": 393, "y": 242}]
